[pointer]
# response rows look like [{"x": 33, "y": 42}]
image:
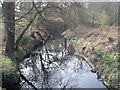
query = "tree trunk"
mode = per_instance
[{"x": 9, "y": 16}]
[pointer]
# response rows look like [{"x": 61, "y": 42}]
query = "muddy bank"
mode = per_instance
[{"x": 99, "y": 46}]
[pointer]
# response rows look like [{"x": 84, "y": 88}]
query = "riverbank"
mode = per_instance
[
  {"x": 9, "y": 72},
  {"x": 100, "y": 48}
]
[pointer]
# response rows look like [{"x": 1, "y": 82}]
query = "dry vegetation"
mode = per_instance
[{"x": 100, "y": 47}]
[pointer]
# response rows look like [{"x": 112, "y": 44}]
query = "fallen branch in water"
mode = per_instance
[
  {"x": 24, "y": 78},
  {"x": 85, "y": 59}
]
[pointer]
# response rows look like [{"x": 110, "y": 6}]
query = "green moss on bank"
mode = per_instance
[{"x": 9, "y": 70}]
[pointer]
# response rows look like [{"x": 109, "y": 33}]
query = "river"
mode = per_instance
[{"x": 56, "y": 66}]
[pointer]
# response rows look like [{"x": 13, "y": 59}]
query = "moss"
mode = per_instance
[
  {"x": 9, "y": 69},
  {"x": 20, "y": 53}
]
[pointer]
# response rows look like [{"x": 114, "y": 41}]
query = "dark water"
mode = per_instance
[{"x": 54, "y": 66}]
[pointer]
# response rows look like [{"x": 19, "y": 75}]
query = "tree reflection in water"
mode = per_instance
[{"x": 49, "y": 68}]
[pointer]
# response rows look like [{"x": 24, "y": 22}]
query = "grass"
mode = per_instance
[{"x": 110, "y": 65}]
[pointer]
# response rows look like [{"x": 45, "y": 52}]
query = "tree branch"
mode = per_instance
[
  {"x": 24, "y": 14},
  {"x": 39, "y": 12},
  {"x": 24, "y": 78},
  {"x": 20, "y": 37}
]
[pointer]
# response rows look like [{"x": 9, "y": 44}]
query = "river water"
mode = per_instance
[{"x": 55, "y": 66}]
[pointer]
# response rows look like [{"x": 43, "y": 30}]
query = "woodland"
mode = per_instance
[{"x": 39, "y": 39}]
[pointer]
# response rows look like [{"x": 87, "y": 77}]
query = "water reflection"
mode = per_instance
[{"x": 54, "y": 67}]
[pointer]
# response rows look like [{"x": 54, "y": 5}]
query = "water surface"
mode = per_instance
[{"x": 53, "y": 67}]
